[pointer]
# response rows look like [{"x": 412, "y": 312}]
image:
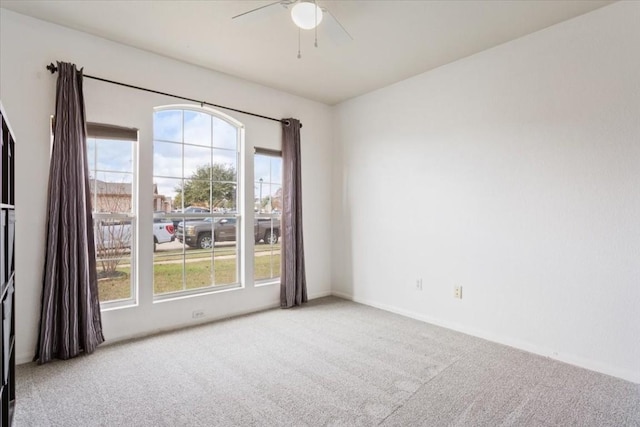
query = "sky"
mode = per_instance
[{"x": 207, "y": 140}]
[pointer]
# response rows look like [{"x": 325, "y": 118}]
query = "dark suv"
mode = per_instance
[
  {"x": 197, "y": 234},
  {"x": 189, "y": 210}
]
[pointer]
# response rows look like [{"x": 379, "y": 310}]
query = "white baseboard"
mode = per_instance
[
  {"x": 28, "y": 358},
  {"x": 322, "y": 294},
  {"x": 21, "y": 359},
  {"x": 581, "y": 362},
  {"x": 344, "y": 295}
]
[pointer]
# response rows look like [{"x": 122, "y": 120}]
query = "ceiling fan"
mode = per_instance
[{"x": 306, "y": 15}]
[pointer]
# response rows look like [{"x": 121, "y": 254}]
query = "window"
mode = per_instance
[
  {"x": 195, "y": 173},
  {"x": 268, "y": 212},
  {"x": 112, "y": 173}
]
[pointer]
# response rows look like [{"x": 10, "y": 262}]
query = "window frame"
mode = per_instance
[
  {"x": 101, "y": 132},
  {"x": 259, "y": 151}
]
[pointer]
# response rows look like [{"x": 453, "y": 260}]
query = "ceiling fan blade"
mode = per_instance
[
  {"x": 334, "y": 29},
  {"x": 262, "y": 10}
]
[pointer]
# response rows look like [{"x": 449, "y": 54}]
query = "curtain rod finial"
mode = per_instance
[{"x": 52, "y": 68}]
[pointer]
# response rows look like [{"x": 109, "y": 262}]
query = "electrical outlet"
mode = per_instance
[
  {"x": 419, "y": 284},
  {"x": 197, "y": 314},
  {"x": 457, "y": 292}
]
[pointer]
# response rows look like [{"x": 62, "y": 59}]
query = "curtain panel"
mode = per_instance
[
  {"x": 293, "y": 284},
  {"x": 70, "y": 320}
]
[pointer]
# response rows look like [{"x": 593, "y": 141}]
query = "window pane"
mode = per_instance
[
  {"x": 226, "y": 269},
  {"x": 267, "y": 262},
  {"x": 196, "y": 234},
  {"x": 167, "y": 125},
  {"x": 268, "y": 207},
  {"x": 197, "y": 193},
  {"x": 226, "y": 251},
  {"x": 197, "y": 162},
  {"x": 225, "y": 231},
  {"x": 276, "y": 170},
  {"x": 168, "y": 257},
  {"x": 168, "y": 273},
  {"x": 91, "y": 153},
  {"x": 268, "y": 169},
  {"x": 167, "y": 159},
  {"x": 275, "y": 199},
  {"x": 225, "y": 135},
  {"x": 167, "y": 194},
  {"x": 112, "y": 192},
  {"x": 225, "y": 165},
  {"x": 267, "y": 249},
  {"x": 114, "y": 155},
  {"x": 198, "y": 273},
  {"x": 225, "y": 195},
  {"x": 197, "y": 128},
  {"x": 113, "y": 239}
]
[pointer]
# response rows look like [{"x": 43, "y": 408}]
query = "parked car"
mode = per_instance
[
  {"x": 163, "y": 231},
  {"x": 117, "y": 234},
  {"x": 197, "y": 234}
]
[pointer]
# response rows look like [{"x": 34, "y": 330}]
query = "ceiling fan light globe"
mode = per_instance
[{"x": 306, "y": 15}]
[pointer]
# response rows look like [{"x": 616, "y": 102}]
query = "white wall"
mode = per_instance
[
  {"x": 27, "y": 91},
  {"x": 514, "y": 173}
]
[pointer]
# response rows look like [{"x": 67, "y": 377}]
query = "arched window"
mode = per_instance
[{"x": 197, "y": 215}]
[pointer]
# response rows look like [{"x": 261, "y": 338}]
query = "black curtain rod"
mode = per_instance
[{"x": 53, "y": 69}]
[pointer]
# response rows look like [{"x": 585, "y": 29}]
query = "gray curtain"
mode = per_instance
[
  {"x": 293, "y": 284},
  {"x": 70, "y": 319}
]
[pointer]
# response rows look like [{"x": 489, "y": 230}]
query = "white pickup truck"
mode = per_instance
[{"x": 116, "y": 234}]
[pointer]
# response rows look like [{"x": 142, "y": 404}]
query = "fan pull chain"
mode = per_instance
[
  {"x": 316, "y": 27},
  {"x": 299, "y": 56}
]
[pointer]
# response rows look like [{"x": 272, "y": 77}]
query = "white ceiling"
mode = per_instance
[{"x": 392, "y": 40}]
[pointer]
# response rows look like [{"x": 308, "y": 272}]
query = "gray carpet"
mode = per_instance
[{"x": 333, "y": 363}]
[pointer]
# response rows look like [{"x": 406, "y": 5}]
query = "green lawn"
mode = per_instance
[
  {"x": 168, "y": 277},
  {"x": 220, "y": 250}
]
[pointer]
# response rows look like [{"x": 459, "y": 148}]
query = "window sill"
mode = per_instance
[
  {"x": 195, "y": 293},
  {"x": 268, "y": 282},
  {"x": 117, "y": 305}
]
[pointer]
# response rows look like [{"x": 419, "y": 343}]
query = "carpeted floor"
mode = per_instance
[{"x": 333, "y": 362}]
